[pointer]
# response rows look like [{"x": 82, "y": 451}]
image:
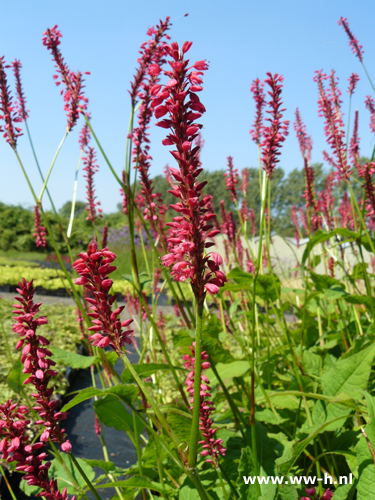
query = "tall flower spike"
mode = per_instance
[
  {"x": 327, "y": 201},
  {"x": 21, "y": 101},
  {"x": 7, "y": 111},
  {"x": 40, "y": 231},
  {"x": 94, "y": 267},
  {"x": 90, "y": 168},
  {"x": 74, "y": 99},
  {"x": 146, "y": 57},
  {"x": 15, "y": 446},
  {"x": 231, "y": 179},
  {"x": 334, "y": 128},
  {"x": 191, "y": 229},
  {"x": 274, "y": 134},
  {"x": 85, "y": 135},
  {"x": 354, "y": 141},
  {"x": 37, "y": 364},
  {"x": 353, "y": 42},
  {"x": 260, "y": 101},
  {"x": 369, "y": 103},
  {"x": 353, "y": 80},
  {"x": 304, "y": 140},
  {"x": 154, "y": 208},
  {"x": 212, "y": 447}
]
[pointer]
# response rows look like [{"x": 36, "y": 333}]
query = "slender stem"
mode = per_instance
[
  {"x": 70, "y": 227},
  {"x": 51, "y": 166},
  {"x": 7, "y": 483},
  {"x": 194, "y": 433},
  {"x": 87, "y": 480}
]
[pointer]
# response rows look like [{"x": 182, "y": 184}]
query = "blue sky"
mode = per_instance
[{"x": 242, "y": 40}]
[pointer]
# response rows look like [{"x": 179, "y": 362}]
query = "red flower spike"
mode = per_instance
[
  {"x": 74, "y": 99},
  {"x": 329, "y": 108},
  {"x": 231, "y": 179},
  {"x": 37, "y": 364},
  {"x": 189, "y": 231},
  {"x": 369, "y": 103},
  {"x": 21, "y": 103},
  {"x": 353, "y": 42},
  {"x": 40, "y": 231},
  {"x": 274, "y": 134},
  {"x": 353, "y": 80},
  {"x": 305, "y": 141},
  {"x": 212, "y": 448},
  {"x": 7, "y": 111},
  {"x": 354, "y": 141},
  {"x": 94, "y": 268},
  {"x": 260, "y": 101},
  {"x": 90, "y": 168},
  {"x": 145, "y": 60}
]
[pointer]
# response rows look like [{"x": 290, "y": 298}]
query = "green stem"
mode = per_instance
[
  {"x": 70, "y": 227},
  {"x": 7, "y": 483},
  {"x": 194, "y": 433},
  {"x": 86, "y": 479},
  {"x": 51, "y": 166}
]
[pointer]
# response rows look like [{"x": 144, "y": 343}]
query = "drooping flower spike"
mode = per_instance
[
  {"x": 37, "y": 363},
  {"x": 15, "y": 446},
  {"x": 191, "y": 230},
  {"x": 94, "y": 267}
]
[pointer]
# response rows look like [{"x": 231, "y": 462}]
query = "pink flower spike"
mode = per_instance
[{"x": 353, "y": 42}]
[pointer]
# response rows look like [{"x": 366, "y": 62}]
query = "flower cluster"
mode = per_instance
[
  {"x": 21, "y": 103},
  {"x": 85, "y": 135},
  {"x": 90, "y": 168},
  {"x": 353, "y": 80},
  {"x": 354, "y": 141},
  {"x": 211, "y": 447},
  {"x": 37, "y": 364},
  {"x": 7, "y": 110},
  {"x": 73, "y": 95},
  {"x": 147, "y": 52},
  {"x": 345, "y": 212},
  {"x": 16, "y": 447},
  {"x": 310, "y": 196},
  {"x": 191, "y": 229},
  {"x": 369, "y": 103},
  {"x": 94, "y": 267},
  {"x": 367, "y": 172},
  {"x": 274, "y": 134},
  {"x": 40, "y": 231},
  {"x": 353, "y": 42},
  {"x": 329, "y": 108},
  {"x": 231, "y": 179},
  {"x": 311, "y": 492},
  {"x": 260, "y": 101},
  {"x": 304, "y": 140}
]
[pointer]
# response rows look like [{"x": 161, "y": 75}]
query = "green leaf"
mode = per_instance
[
  {"x": 188, "y": 492},
  {"x": 321, "y": 236},
  {"x": 286, "y": 462},
  {"x": 72, "y": 359},
  {"x": 137, "y": 481},
  {"x": 366, "y": 466},
  {"x": 29, "y": 490},
  {"x": 228, "y": 370},
  {"x": 345, "y": 492},
  {"x": 361, "y": 300},
  {"x": 102, "y": 464},
  {"x": 334, "y": 293},
  {"x": 112, "y": 413},
  {"x": 58, "y": 472},
  {"x": 146, "y": 370},
  {"x": 323, "y": 281},
  {"x": 16, "y": 378},
  {"x": 127, "y": 393},
  {"x": 181, "y": 425},
  {"x": 349, "y": 375},
  {"x": 246, "y": 469}
]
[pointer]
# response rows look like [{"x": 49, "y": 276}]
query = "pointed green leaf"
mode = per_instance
[{"x": 72, "y": 359}]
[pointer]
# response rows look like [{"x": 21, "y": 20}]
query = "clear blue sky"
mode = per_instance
[{"x": 242, "y": 40}]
